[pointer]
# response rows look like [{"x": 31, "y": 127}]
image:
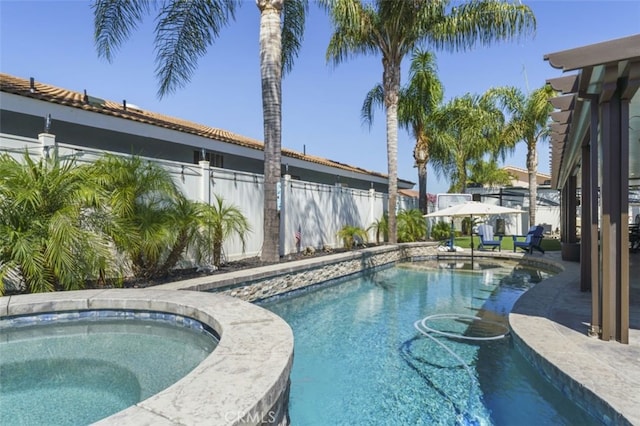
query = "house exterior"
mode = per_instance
[
  {"x": 520, "y": 177},
  {"x": 316, "y": 197},
  {"x": 82, "y": 119}
]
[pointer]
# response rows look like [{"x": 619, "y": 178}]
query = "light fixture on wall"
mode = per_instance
[{"x": 47, "y": 123}]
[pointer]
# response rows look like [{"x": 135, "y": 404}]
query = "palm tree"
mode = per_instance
[
  {"x": 351, "y": 235},
  {"x": 488, "y": 173},
  {"x": 50, "y": 225},
  {"x": 529, "y": 119},
  {"x": 469, "y": 127},
  {"x": 411, "y": 226},
  {"x": 184, "y": 31},
  {"x": 381, "y": 228},
  {"x": 225, "y": 221},
  {"x": 393, "y": 28},
  {"x": 416, "y": 103},
  {"x": 142, "y": 199}
]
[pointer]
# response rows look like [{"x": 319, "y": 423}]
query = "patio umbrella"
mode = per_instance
[{"x": 473, "y": 208}]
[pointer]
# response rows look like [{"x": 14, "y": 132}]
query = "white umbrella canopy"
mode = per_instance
[{"x": 473, "y": 208}]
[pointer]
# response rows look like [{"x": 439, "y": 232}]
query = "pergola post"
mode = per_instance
[
  {"x": 615, "y": 205},
  {"x": 590, "y": 270}
]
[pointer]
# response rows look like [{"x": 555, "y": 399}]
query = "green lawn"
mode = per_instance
[{"x": 548, "y": 244}]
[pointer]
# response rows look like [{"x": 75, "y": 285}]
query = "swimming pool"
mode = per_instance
[
  {"x": 359, "y": 359},
  {"x": 79, "y": 367}
]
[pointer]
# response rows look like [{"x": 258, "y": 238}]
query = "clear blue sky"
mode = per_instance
[{"x": 52, "y": 42}]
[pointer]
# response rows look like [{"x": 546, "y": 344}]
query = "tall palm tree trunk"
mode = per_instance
[
  {"x": 532, "y": 168},
  {"x": 422, "y": 187},
  {"x": 271, "y": 76},
  {"x": 391, "y": 82}
]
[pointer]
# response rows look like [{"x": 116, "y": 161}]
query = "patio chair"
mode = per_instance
[
  {"x": 485, "y": 231},
  {"x": 634, "y": 234},
  {"x": 532, "y": 241}
]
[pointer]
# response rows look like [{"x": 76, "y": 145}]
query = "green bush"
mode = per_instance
[
  {"x": 441, "y": 231},
  {"x": 381, "y": 228},
  {"x": 350, "y": 235},
  {"x": 412, "y": 226}
]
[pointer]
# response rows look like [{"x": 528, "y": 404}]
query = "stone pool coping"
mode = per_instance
[{"x": 245, "y": 380}]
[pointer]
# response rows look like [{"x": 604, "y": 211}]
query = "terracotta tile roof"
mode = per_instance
[
  {"x": 48, "y": 93},
  {"x": 526, "y": 172}
]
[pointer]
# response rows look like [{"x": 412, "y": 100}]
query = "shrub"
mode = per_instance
[
  {"x": 441, "y": 231},
  {"x": 350, "y": 236},
  {"x": 412, "y": 226},
  {"x": 381, "y": 228}
]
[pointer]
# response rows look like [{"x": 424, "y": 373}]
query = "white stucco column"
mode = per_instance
[
  {"x": 286, "y": 233},
  {"x": 372, "y": 211},
  {"x": 49, "y": 146},
  {"x": 205, "y": 183}
]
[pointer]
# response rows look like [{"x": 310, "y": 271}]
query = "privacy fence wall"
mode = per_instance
[{"x": 311, "y": 214}]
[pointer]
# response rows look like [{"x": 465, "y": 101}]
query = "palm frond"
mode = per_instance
[
  {"x": 294, "y": 14},
  {"x": 113, "y": 21},
  {"x": 184, "y": 30},
  {"x": 482, "y": 22},
  {"x": 374, "y": 98}
]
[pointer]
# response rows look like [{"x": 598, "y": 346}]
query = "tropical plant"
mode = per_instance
[
  {"x": 393, "y": 28},
  {"x": 381, "y": 228},
  {"x": 416, "y": 102},
  {"x": 187, "y": 231},
  {"x": 224, "y": 221},
  {"x": 412, "y": 226},
  {"x": 469, "y": 127},
  {"x": 183, "y": 32},
  {"x": 142, "y": 199},
  {"x": 528, "y": 122},
  {"x": 487, "y": 173},
  {"x": 468, "y": 224},
  {"x": 50, "y": 225},
  {"x": 350, "y": 235},
  {"x": 441, "y": 231}
]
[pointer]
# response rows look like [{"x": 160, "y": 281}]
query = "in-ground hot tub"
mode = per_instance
[{"x": 244, "y": 380}]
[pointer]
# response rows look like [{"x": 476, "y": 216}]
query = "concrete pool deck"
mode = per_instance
[{"x": 551, "y": 322}]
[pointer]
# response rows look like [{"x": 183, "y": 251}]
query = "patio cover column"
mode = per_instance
[
  {"x": 572, "y": 205},
  {"x": 615, "y": 205},
  {"x": 568, "y": 207},
  {"x": 589, "y": 265}
]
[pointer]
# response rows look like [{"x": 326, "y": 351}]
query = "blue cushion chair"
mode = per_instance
[
  {"x": 532, "y": 240},
  {"x": 485, "y": 231}
]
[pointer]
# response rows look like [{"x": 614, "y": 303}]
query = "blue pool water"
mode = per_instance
[
  {"x": 78, "y": 371},
  {"x": 360, "y": 361}
]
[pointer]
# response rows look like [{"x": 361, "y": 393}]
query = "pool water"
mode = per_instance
[
  {"x": 360, "y": 361},
  {"x": 72, "y": 372}
]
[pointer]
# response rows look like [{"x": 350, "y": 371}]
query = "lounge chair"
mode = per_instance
[
  {"x": 485, "y": 231},
  {"x": 532, "y": 240}
]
